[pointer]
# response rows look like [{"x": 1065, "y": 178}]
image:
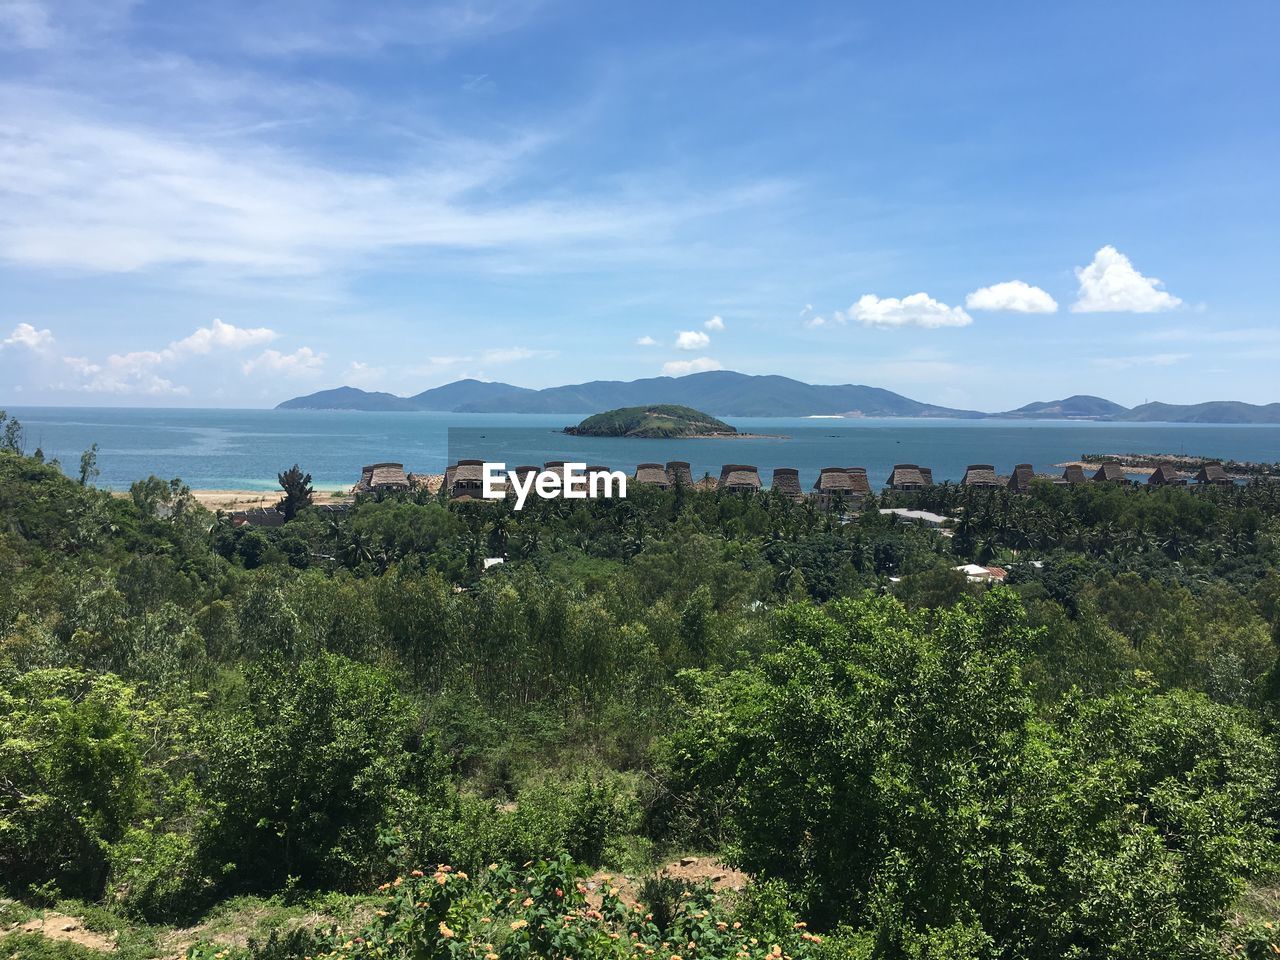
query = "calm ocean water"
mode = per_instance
[{"x": 245, "y": 449}]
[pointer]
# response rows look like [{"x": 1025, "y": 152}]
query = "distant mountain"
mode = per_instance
[
  {"x": 1214, "y": 411},
  {"x": 1079, "y": 407},
  {"x": 728, "y": 394},
  {"x": 348, "y": 398},
  {"x": 721, "y": 391}
]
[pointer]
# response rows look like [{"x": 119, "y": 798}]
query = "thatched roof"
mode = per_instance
[
  {"x": 387, "y": 476},
  {"x": 524, "y": 470},
  {"x": 906, "y": 476},
  {"x": 926, "y": 474},
  {"x": 1213, "y": 473},
  {"x": 1111, "y": 473},
  {"x": 1074, "y": 473},
  {"x": 469, "y": 471},
  {"x": 786, "y": 481},
  {"x": 1020, "y": 481},
  {"x": 980, "y": 475},
  {"x": 679, "y": 472},
  {"x": 258, "y": 517},
  {"x": 556, "y": 465},
  {"x": 1165, "y": 476},
  {"x": 858, "y": 481},
  {"x": 654, "y": 473},
  {"x": 834, "y": 480},
  {"x": 739, "y": 476}
]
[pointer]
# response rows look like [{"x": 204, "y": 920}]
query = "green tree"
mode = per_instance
[
  {"x": 89, "y": 465},
  {"x": 297, "y": 491}
]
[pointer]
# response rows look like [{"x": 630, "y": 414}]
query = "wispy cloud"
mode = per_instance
[
  {"x": 25, "y": 335},
  {"x": 680, "y": 368},
  {"x": 715, "y": 323},
  {"x": 1144, "y": 360},
  {"x": 646, "y": 341},
  {"x": 302, "y": 362}
]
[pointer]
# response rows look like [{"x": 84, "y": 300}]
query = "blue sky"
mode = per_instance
[{"x": 973, "y": 204}]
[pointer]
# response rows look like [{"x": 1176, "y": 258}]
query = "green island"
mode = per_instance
[
  {"x": 695, "y": 724},
  {"x": 658, "y": 421}
]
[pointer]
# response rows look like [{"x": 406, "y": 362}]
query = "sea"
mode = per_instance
[{"x": 240, "y": 449}]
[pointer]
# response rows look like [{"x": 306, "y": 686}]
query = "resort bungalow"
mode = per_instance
[
  {"x": 678, "y": 472},
  {"x": 653, "y": 473},
  {"x": 1165, "y": 476},
  {"x": 467, "y": 480},
  {"x": 381, "y": 477},
  {"x": 739, "y": 478},
  {"x": 979, "y": 574},
  {"x": 258, "y": 517},
  {"x": 1074, "y": 473},
  {"x": 1214, "y": 475},
  {"x": 1111, "y": 473},
  {"x": 1020, "y": 481},
  {"x": 858, "y": 479},
  {"x": 980, "y": 475},
  {"x": 786, "y": 481},
  {"x": 926, "y": 474},
  {"x": 833, "y": 488},
  {"x": 906, "y": 476}
]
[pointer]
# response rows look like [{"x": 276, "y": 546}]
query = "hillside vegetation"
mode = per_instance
[
  {"x": 656, "y": 421},
  {"x": 345, "y": 731}
]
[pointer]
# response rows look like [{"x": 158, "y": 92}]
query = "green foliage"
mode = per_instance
[
  {"x": 297, "y": 491},
  {"x": 656, "y": 421}
]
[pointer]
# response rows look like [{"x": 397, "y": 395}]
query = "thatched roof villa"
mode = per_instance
[
  {"x": 926, "y": 474},
  {"x": 1214, "y": 475},
  {"x": 258, "y": 517},
  {"x": 1165, "y": 476},
  {"x": 1020, "y": 480},
  {"x": 906, "y": 476},
  {"x": 858, "y": 481},
  {"x": 652, "y": 473},
  {"x": 1074, "y": 473},
  {"x": 786, "y": 481},
  {"x": 678, "y": 471},
  {"x": 1111, "y": 473},
  {"x": 834, "y": 486},
  {"x": 739, "y": 478},
  {"x": 467, "y": 479},
  {"x": 381, "y": 477},
  {"x": 980, "y": 475}
]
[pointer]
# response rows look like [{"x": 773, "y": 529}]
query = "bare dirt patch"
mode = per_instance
[
  {"x": 58, "y": 926},
  {"x": 692, "y": 870}
]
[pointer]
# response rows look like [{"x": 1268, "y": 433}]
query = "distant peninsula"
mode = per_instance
[
  {"x": 731, "y": 394},
  {"x": 659, "y": 421}
]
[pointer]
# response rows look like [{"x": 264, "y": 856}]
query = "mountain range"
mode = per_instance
[{"x": 725, "y": 393}]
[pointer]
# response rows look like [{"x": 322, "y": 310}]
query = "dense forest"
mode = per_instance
[{"x": 349, "y": 724}]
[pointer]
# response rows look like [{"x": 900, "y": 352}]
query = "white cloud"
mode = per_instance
[
  {"x": 302, "y": 362},
  {"x": 82, "y": 366},
  {"x": 25, "y": 23},
  {"x": 715, "y": 323},
  {"x": 814, "y": 322},
  {"x": 1146, "y": 360},
  {"x": 222, "y": 336},
  {"x": 1013, "y": 296},
  {"x": 25, "y": 335},
  {"x": 679, "y": 368},
  {"x": 512, "y": 354},
  {"x": 360, "y": 373},
  {"x": 1110, "y": 284},
  {"x": 208, "y": 191},
  {"x": 646, "y": 342},
  {"x": 917, "y": 310},
  {"x": 691, "y": 340}
]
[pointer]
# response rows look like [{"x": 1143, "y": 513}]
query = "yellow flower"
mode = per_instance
[
  {"x": 519, "y": 924},
  {"x": 445, "y": 931},
  {"x": 527, "y": 902}
]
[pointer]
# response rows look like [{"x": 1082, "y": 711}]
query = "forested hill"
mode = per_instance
[
  {"x": 720, "y": 392},
  {"x": 351, "y": 730},
  {"x": 726, "y": 393},
  {"x": 656, "y": 421}
]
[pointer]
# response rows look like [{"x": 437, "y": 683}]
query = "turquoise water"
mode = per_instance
[{"x": 245, "y": 449}]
